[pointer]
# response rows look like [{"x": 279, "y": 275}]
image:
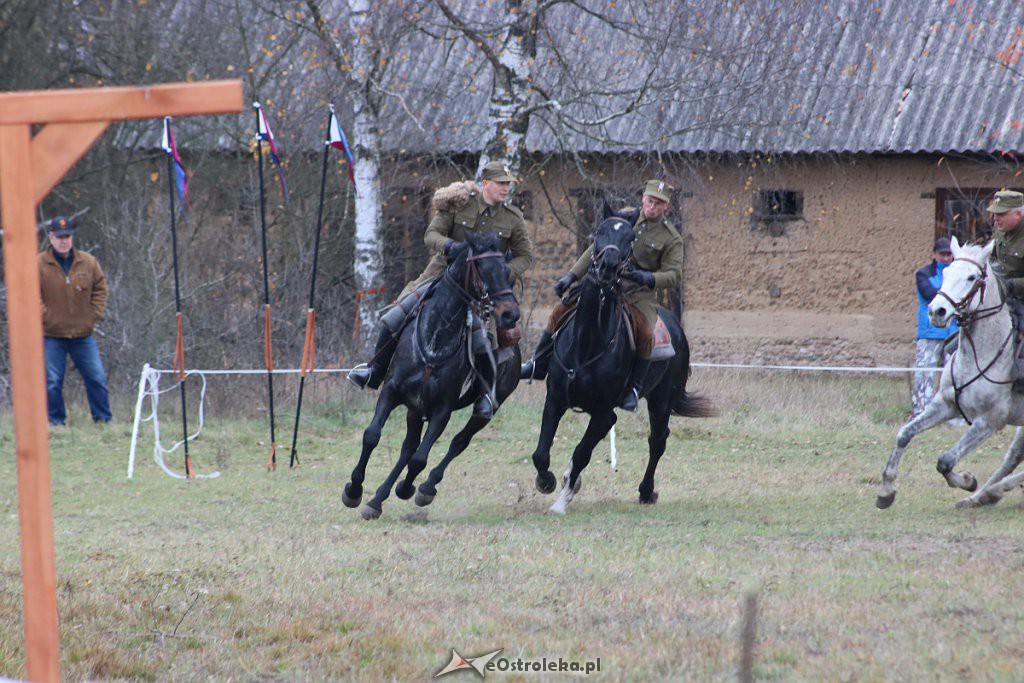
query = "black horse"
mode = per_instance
[
  {"x": 433, "y": 364},
  {"x": 591, "y": 365}
]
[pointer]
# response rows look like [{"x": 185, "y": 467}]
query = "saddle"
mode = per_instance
[
  {"x": 662, "y": 348},
  {"x": 408, "y": 307}
]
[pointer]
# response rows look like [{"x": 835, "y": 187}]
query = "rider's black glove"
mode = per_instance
[
  {"x": 448, "y": 244},
  {"x": 644, "y": 278},
  {"x": 564, "y": 283}
]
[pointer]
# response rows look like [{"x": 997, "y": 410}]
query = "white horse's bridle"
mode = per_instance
[{"x": 961, "y": 307}]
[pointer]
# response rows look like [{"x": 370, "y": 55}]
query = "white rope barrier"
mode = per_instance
[
  {"x": 149, "y": 385},
  {"x": 150, "y": 377},
  {"x": 812, "y": 368}
]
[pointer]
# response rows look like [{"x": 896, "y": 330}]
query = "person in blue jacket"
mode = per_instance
[{"x": 929, "y": 338}]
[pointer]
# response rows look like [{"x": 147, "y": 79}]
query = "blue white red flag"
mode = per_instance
[
  {"x": 266, "y": 135},
  {"x": 180, "y": 177},
  {"x": 336, "y": 139}
]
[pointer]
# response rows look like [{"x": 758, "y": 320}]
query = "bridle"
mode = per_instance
[
  {"x": 963, "y": 314},
  {"x": 967, "y": 318},
  {"x": 607, "y": 282},
  {"x": 472, "y": 289}
]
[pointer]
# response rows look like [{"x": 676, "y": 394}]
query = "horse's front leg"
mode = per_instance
[
  {"x": 428, "y": 489},
  {"x": 658, "y": 410},
  {"x": 972, "y": 438},
  {"x": 553, "y": 412},
  {"x": 386, "y": 403},
  {"x": 1000, "y": 482},
  {"x": 936, "y": 412},
  {"x": 597, "y": 429},
  {"x": 413, "y": 434},
  {"x": 438, "y": 422}
]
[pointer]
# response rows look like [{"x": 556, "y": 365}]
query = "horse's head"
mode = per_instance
[
  {"x": 613, "y": 243},
  {"x": 486, "y": 277},
  {"x": 963, "y": 283}
]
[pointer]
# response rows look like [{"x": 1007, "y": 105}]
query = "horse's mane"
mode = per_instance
[{"x": 481, "y": 242}]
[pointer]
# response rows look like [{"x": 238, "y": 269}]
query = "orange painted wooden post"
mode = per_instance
[{"x": 29, "y": 168}]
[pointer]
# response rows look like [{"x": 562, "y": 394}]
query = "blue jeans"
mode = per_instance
[{"x": 86, "y": 357}]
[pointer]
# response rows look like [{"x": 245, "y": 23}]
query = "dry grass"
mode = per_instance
[{"x": 267, "y": 576}]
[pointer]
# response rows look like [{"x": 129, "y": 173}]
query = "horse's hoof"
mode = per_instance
[
  {"x": 966, "y": 503},
  {"x": 424, "y": 499},
  {"x": 545, "y": 482},
  {"x": 972, "y": 483},
  {"x": 404, "y": 490},
  {"x": 369, "y": 512},
  {"x": 576, "y": 487},
  {"x": 883, "y": 502},
  {"x": 651, "y": 500},
  {"x": 352, "y": 495}
]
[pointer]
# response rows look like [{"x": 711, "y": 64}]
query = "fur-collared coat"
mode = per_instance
[{"x": 458, "y": 209}]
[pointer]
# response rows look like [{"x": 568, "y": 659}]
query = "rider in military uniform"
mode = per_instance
[
  {"x": 656, "y": 263},
  {"x": 460, "y": 208},
  {"x": 1007, "y": 210}
]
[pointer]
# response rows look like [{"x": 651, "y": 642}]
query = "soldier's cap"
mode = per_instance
[
  {"x": 498, "y": 172},
  {"x": 62, "y": 226},
  {"x": 1005, "y": 200},
  {"x": 941, "y": 246},
  {"x": 658, "y": 189}
]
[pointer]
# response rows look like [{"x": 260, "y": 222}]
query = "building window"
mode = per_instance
[
  {"x": 406, "y": 213},
  {"x": 523, "y": 200},
  {"x": 961, "y": 212},
  {"x": 778, "y": 205}
]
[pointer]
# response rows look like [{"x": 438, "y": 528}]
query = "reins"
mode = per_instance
[
  {"x": 477, "y": 300},
  {"x": 605, "y": 289},
  {"x": 967, "y": 320}
]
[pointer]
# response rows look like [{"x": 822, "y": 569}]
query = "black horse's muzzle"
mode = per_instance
[{"x": 506, "y": 313}]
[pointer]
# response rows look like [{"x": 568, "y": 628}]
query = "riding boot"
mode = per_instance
[
  {"x": 484, "y": 407},
  {"x": 537, "y": 367},
  {"x": 636, "y": 384},
  {"x": 373, "y": 374}
]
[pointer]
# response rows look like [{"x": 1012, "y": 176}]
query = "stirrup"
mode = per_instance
[
  {"x": 630, "y": 400},
  {"x": 360, "y": 375},
  {"x": 483, "y": 407}
]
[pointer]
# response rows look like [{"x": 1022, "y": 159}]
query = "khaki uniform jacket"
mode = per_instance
[
  {"x": 658, "y": 248},
  {"x": 1009, "y": 253},
  {"x": 72, "y": 303},
  {"x": 477, "y": 217}
]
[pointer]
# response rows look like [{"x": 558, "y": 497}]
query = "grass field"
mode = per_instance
[{"x": 267, "y": 576}]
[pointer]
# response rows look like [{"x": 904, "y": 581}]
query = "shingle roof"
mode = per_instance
[{"x": 885, "y": 76}]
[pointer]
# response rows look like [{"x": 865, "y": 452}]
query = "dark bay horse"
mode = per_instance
[
  {"x": 433, "y": 365},
  {"x": 591, "y": 364}
]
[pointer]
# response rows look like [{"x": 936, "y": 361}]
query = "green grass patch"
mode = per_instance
[{"x": 262, "y": 575}]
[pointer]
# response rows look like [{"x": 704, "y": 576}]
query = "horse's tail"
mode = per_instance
[{"x": 694, "y": 405}]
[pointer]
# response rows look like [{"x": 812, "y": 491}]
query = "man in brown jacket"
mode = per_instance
[
  {"x": 74, "y": 295},
  {"x": 656, "y": 263}
]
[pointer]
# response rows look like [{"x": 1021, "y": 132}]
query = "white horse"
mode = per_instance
[{"x": 976, "y": 381}]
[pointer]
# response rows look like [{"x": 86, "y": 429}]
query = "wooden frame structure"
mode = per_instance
[{"x": 31, "y": 166}]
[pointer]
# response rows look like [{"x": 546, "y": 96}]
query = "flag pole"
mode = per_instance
[
  {"x": 309, "y": 347},
  {"x": 268, "y": 355},
  {"x": 179, "y": 345}
]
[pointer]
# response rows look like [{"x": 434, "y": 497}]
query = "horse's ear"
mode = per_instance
[
  {"x": 954, "y": 246},
  {"x": 631, "y": 214},
  {"x": 606, "y": 210},
  {"x": 986, "y": 252}
]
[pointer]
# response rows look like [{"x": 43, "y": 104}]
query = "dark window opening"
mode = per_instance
[
  {"x": 523, "y": 200},
  {"x": 778, "y": 205},
  {"x": 961, "y": 212},
  {"x": 406, "y": 214}
]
